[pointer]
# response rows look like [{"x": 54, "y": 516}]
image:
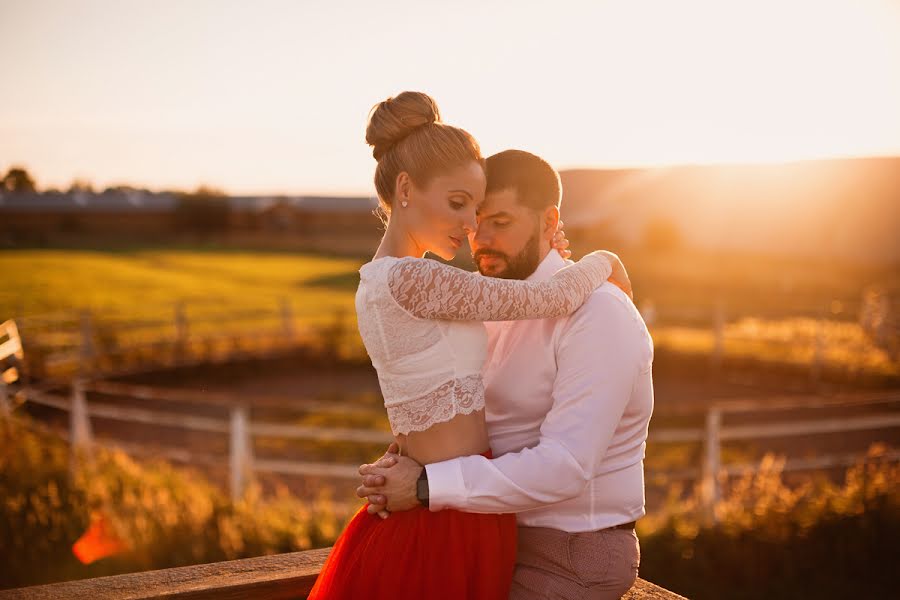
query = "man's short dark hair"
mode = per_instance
[{"x": 535, "y": 182}]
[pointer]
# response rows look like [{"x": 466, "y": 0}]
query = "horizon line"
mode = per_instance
[{"x": 370, "y": 192}]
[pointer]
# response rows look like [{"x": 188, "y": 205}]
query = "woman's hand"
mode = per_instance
[
  {"x": 560, "y": 242},
  {"x": 619, "y": 276},
  {"x": 378, "y": 504}
]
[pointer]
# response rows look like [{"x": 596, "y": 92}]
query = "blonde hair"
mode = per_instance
[{"x": 406, "y": 134}]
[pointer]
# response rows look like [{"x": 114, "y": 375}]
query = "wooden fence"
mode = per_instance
[
  {"x": 277, "y": 577},
  {"x": 80, "y": 343},
  {"x": 801, "y": 335},
  {"x": 66, "y": 345},
  {"x": 241, "y": 431},
  {"x": 10, "y": 350}
]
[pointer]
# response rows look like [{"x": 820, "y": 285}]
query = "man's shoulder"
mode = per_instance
[
  {"x": 606, "y": 298},
  {"x": 608, "y": 315},
  {"x": 604, "y": 307}
]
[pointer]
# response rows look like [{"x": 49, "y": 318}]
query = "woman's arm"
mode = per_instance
[{"x": 431, "y": 290}]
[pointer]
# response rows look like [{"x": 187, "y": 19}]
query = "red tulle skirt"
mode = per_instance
[{"x": 419, "y": 554}]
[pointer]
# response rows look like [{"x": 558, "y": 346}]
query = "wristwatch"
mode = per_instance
[{"x": 422, "y": 488}]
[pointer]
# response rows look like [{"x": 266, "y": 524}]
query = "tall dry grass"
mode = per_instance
[
  {"x": 814, "y": 539},
  {"x": 168, "y": 517}
]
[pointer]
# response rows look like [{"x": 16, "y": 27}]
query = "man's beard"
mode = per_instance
[{"x": 520, "y": 266}]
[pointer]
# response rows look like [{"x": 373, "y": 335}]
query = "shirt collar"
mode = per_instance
[{"x": 552, "y": 263}]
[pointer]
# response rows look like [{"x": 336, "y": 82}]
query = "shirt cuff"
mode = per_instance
[{"x": 446, "y": 488}]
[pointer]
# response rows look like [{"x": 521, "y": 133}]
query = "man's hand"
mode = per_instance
[{"x": 390, "y": 482}]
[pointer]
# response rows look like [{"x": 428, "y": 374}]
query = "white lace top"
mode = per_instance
[{"x": 421, "y": 323}]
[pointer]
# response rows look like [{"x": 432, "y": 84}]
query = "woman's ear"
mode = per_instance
[
  {"x": 549, "y": 222},
  {"x": 402, "y": 188}
]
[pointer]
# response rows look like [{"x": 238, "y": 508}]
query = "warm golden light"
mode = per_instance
[{"x": 273, "y": 97}]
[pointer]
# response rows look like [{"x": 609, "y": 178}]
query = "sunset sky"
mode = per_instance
[{"x": 272, "y": 96}]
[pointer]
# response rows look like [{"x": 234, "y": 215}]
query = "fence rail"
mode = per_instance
[
  {"x": 68, "y": 344},
  {"x": 241, "y": 432},
  {"x": 813, "y": 336},
  {"x": 73, "y": 343}
]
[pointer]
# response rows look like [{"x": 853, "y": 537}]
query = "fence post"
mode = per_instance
[
  {"x": 241, "y": 452},
  {"x": 79, "y": 421},
  {"x": 711, "y": 463},
  {"x": 718, "y": 334},
  {"x": 5, "y": 408},
  {"x": 181, "y": 331},
  {"x": 80, "y": 436},
  {"x": 88, "y": 352},
  {"x": 815, "y": 370},
  {"x": 287, "y": 320}
]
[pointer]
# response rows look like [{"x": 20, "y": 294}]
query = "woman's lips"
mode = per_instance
[{"x": 456, "y": 242}]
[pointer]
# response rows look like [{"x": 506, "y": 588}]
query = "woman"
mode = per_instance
[{"x": 421, "y": 322}]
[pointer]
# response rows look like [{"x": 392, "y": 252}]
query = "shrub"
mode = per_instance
[
  {"x": 169, "y": 517},
  {"x": 816, "y": 540}
]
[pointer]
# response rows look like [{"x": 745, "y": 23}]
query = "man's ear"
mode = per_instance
[{"x": 549, "y": 222}]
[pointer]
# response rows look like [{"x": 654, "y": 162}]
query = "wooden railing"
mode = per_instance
[
  {"x": 241, "y": 431},
  {"x": 10, "y": 350},
  {"x": 242, "y": 463},
  {"x": 277, "y": 577},
  {"x": 757, "y": 333},
  {"x": 69, "y": 344}
]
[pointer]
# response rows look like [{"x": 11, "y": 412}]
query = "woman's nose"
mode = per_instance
[{"x": 469, "y": 224}]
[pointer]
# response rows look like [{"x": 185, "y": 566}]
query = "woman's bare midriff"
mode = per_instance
[{"x": 463, "y": 435}]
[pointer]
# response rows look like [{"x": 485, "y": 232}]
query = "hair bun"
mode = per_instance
[{"x": 395, "y": 118}]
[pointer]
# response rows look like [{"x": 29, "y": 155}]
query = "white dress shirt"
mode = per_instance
[{"x": 568, "y": 402}]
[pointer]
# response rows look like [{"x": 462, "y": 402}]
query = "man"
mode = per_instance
[{"x": 568, "y": 402}]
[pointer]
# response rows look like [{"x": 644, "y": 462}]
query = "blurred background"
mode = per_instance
[{"x": 186, "y": 197}]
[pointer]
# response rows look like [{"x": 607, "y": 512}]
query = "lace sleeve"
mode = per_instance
[{"x": 431, "y": 290}]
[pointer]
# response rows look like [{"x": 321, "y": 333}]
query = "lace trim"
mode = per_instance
[{"x": 456, "y": 397}]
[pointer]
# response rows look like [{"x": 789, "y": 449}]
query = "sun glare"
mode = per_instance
[{"x": 744, "y": 82}]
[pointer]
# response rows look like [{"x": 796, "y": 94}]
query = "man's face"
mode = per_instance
[{"x": 506, "y": 242}]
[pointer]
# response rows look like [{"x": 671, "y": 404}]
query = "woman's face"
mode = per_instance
[{"x": 441, "y": 215}]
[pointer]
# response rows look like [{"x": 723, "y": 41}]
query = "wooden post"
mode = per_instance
[
  {"x": 181, "y": 331},
  {"x": 80, "y": 436},
  {"x": 815, "y": 370},
  {"x": 287, "y": 320},
  {"x": 718, "y": 351},
  {"x": 711, "y": 463},
  {"x": 5, "y": 407},
  {"x": 241, "y": 452},
  {"x": 88, "y": 351}
]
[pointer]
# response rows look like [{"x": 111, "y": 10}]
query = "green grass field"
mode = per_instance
[
  {"x": 147, "y": 283},
  {"x": 217, "y": 286}
]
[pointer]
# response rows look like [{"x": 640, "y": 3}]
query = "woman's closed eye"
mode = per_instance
[{"x": 458, "y": 202}]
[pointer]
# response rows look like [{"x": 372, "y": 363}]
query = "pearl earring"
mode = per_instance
[{"x": 404, "y": 204}]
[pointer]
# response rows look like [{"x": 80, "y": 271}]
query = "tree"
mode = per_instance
[
  {"x": 81, "y": 185},
  {"x": 18, "y": 181},
  {"x": 203, "y": 211}
]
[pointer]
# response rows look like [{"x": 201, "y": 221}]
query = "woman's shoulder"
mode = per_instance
[
  {"x": 406, "y": 265},
  {"x": 382, "y": 263}
]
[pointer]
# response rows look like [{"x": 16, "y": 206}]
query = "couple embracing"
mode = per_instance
[{"x": 519, "y": 396}]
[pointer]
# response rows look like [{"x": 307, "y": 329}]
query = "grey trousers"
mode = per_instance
[{"x": 550, "y": 563}]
